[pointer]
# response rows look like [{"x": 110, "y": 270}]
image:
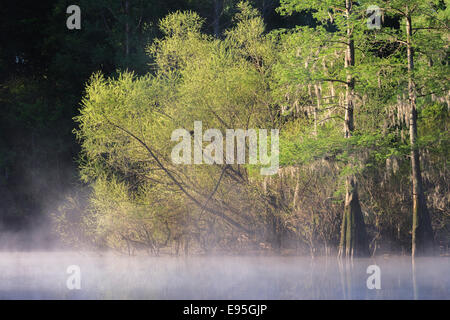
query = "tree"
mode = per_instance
[
  {"x": 198, "y": 78},
  {"x": 423, "y": 34},
  {"x": 344, "y": 19}
]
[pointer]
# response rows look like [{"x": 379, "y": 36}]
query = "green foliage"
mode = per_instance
[{"x": 294, "y": 80}]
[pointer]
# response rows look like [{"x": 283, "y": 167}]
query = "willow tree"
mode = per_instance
[
  {"x": 126, "y": 125},
  {"x": 343, "y": 24}
]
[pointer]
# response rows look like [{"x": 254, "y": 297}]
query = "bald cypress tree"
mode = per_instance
[
  {"x": 341, "y": 23},
  {"x": 423, "y": 33}
]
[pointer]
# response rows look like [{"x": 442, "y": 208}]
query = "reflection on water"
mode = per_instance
[{"x": 43, "y": 276}]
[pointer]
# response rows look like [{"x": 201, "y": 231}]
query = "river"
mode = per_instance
[{"x": 87, "y": 275}]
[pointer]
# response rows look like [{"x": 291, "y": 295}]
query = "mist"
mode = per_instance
[{"x": 44, "y": 275}]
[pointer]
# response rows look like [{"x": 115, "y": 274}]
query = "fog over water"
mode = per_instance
[{"x": 43, "y": 275}]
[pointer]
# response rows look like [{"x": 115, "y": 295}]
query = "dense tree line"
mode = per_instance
[
  {"x": 362, "y": 114},
  {"x": 43, "y": 70}
]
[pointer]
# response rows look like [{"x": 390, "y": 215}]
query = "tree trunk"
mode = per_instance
[
  {"x": 353, "y": 230},
  {"x": 127, "y": 30},
  {"x": 218, "y": 7},
  {"x": 422, "y": 233},
  {"x": 318, "y": 107}
]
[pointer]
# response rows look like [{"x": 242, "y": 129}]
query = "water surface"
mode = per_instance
[{"x": 43, "y": 275}]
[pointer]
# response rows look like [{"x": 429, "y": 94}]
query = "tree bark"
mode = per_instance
[
  {"x": 218, "y": 7},
  {"x": 127, "y": 29},
  {"x": 353, "y": 240},
  {"x": 422, "y": 233},
  {"x": 317, "y": 107}
]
